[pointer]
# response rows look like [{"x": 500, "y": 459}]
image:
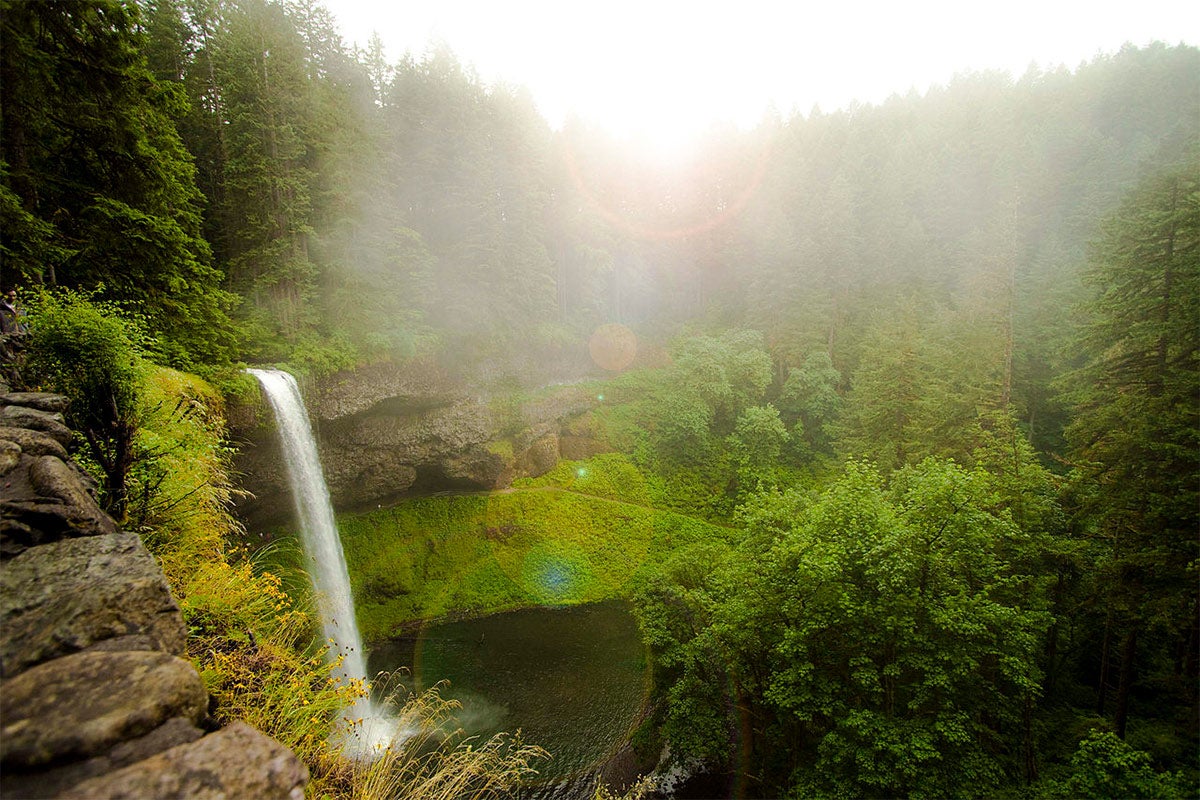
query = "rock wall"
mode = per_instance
[
  {"x": 95, "y": 699},
  {"x": 388, "y": 430}
]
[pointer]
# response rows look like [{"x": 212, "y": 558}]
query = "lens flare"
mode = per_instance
[
  {"x": 555, "y": 577},
  {"x": 613, "y": 347},
  {"x": 619, "y": 218}
]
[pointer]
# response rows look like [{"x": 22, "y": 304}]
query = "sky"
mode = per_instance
[{"x": 662, "y": 71}]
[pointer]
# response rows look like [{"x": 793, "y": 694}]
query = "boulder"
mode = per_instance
[
  {"x": 234, "y": 762},
  {"x": 30, "y": 522},
  {"x": 10, "y": 456},
  {"x": 33, "y": 443},
  {"x": 540, "y": 457},
  {"x": 82, "y": 705},
  {"x": 50, "y": 423},
  {"x": 55, "y": 479},
  {"x": 42, "y": 401},
  {"x": 63, "y": 597},
  {"x": 380, "y": 475},
  {"x": 52, "y": 782},
  {"x": 478, "y": 468}
]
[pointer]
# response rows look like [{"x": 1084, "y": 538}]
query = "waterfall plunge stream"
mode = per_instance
[{"x": 330, "y": 579}]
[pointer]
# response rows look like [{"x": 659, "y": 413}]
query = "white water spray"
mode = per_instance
[{"x": 330, "y": 579}]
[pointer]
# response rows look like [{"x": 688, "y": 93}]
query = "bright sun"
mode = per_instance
[{"x": 661, "y": 73}]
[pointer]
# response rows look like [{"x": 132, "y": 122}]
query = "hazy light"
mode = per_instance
[{"x": 662, "y": 72}]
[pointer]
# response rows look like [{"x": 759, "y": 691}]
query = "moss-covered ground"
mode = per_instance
[{"x": 580, "y": 534}]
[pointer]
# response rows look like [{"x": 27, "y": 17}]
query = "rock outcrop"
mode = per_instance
[
  {"x": 95, "y": 700},
  {"x": 387, "y": 430}
]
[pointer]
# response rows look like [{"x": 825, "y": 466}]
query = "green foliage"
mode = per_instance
[
  {"x": 341, "y": 208},
  {"x": 944, "y": 633},
  {"x": 98, "y": 190},
  {"x": 727, "y": 373},
  {"x": 674, "y": 606},
  {"x": 1135, "y": 436},
  {"x": 86, "y": 351},
  {"x": 1104, "y": 766},
  {"x": 880, "y": 420},
  {"x": 696, "y": 428},
  {"x": 758, "y": 438},
  {"x": 810, "y": 398}
]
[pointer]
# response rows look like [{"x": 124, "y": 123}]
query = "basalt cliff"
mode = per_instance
[{"x": 386, "y": 431}]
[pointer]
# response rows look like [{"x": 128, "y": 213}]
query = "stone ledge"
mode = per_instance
[
  {"x": 63, "y": 597},
  {"x": 82, "y": 705},
  {"x": 195, "y": 771},
  {"x": 94, "y": 701}
]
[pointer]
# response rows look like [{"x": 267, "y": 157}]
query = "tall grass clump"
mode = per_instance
[{"x": 434, "y": 763}]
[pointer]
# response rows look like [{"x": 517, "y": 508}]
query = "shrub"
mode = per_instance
[{"x": 89, "y": 352}]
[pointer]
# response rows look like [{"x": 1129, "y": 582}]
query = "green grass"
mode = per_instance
[{"x": 541, "y": 544}]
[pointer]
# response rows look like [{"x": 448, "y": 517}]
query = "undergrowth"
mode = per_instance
[{"x": 254, "y": 640}]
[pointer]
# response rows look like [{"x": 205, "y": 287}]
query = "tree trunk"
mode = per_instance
[
  {"x": 1128, "y": 654},
  {"x": 1031, "y": 771},
  {"x": 1104, "y": 648}
]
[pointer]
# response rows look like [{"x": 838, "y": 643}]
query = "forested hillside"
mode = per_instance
[
  {"x": 936, "y": 359},
  {"x": 336, "y": 207}
]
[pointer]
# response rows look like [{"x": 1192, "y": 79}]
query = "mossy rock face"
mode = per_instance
[
  {"x": 540, "y": 457},
  {"x": 541, "y": 544}
]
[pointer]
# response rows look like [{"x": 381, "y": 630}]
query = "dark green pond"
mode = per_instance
[{"x": 572, "y": 679}]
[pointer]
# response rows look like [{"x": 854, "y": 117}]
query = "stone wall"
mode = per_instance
[{"x": 96, "y": 700}]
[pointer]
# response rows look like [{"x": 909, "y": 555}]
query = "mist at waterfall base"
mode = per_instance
[{"x": 369, "y": 728}]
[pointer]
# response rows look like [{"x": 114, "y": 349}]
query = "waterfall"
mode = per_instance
[{"x": 327, "y": 567}]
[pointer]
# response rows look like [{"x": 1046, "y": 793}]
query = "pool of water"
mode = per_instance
[{"x": 573, "y": 680}]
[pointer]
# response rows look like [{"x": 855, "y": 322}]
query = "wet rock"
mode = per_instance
[
  {"x": 50, "y": 783},
  {"x": 411, "y": 385},
  {"x": 24, "y": 413},
  {"x": 49, "y": 521},
  {"x": 16, "y": 537},
  {"x": 478, "y": 468},
  {"x": 384, "y": 430},
  {"x": 540, "y": 457},
  {"x": 63, "y": 597},
  {"x": 234, "y": 762},
  {"x": 375, "y": 473},
  {"x": 53, "y": 478},
  {"x": 33, "y": 443},
  {"x": 10, "y": 456},
  {"x": 82, "y": 705},
  {"x": 47, "y": 422},
  {"x": 41, "y": 401}
]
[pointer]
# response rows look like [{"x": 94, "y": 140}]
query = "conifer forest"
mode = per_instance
[{"x": 907, "y": 392}]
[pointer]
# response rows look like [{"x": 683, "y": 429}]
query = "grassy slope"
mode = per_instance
[{"x": 580, "y": 534}]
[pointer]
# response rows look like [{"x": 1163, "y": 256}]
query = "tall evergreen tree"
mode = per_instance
[
  {"x": 94, "y": 176},
  {"x": 1136, "y": 432}
]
